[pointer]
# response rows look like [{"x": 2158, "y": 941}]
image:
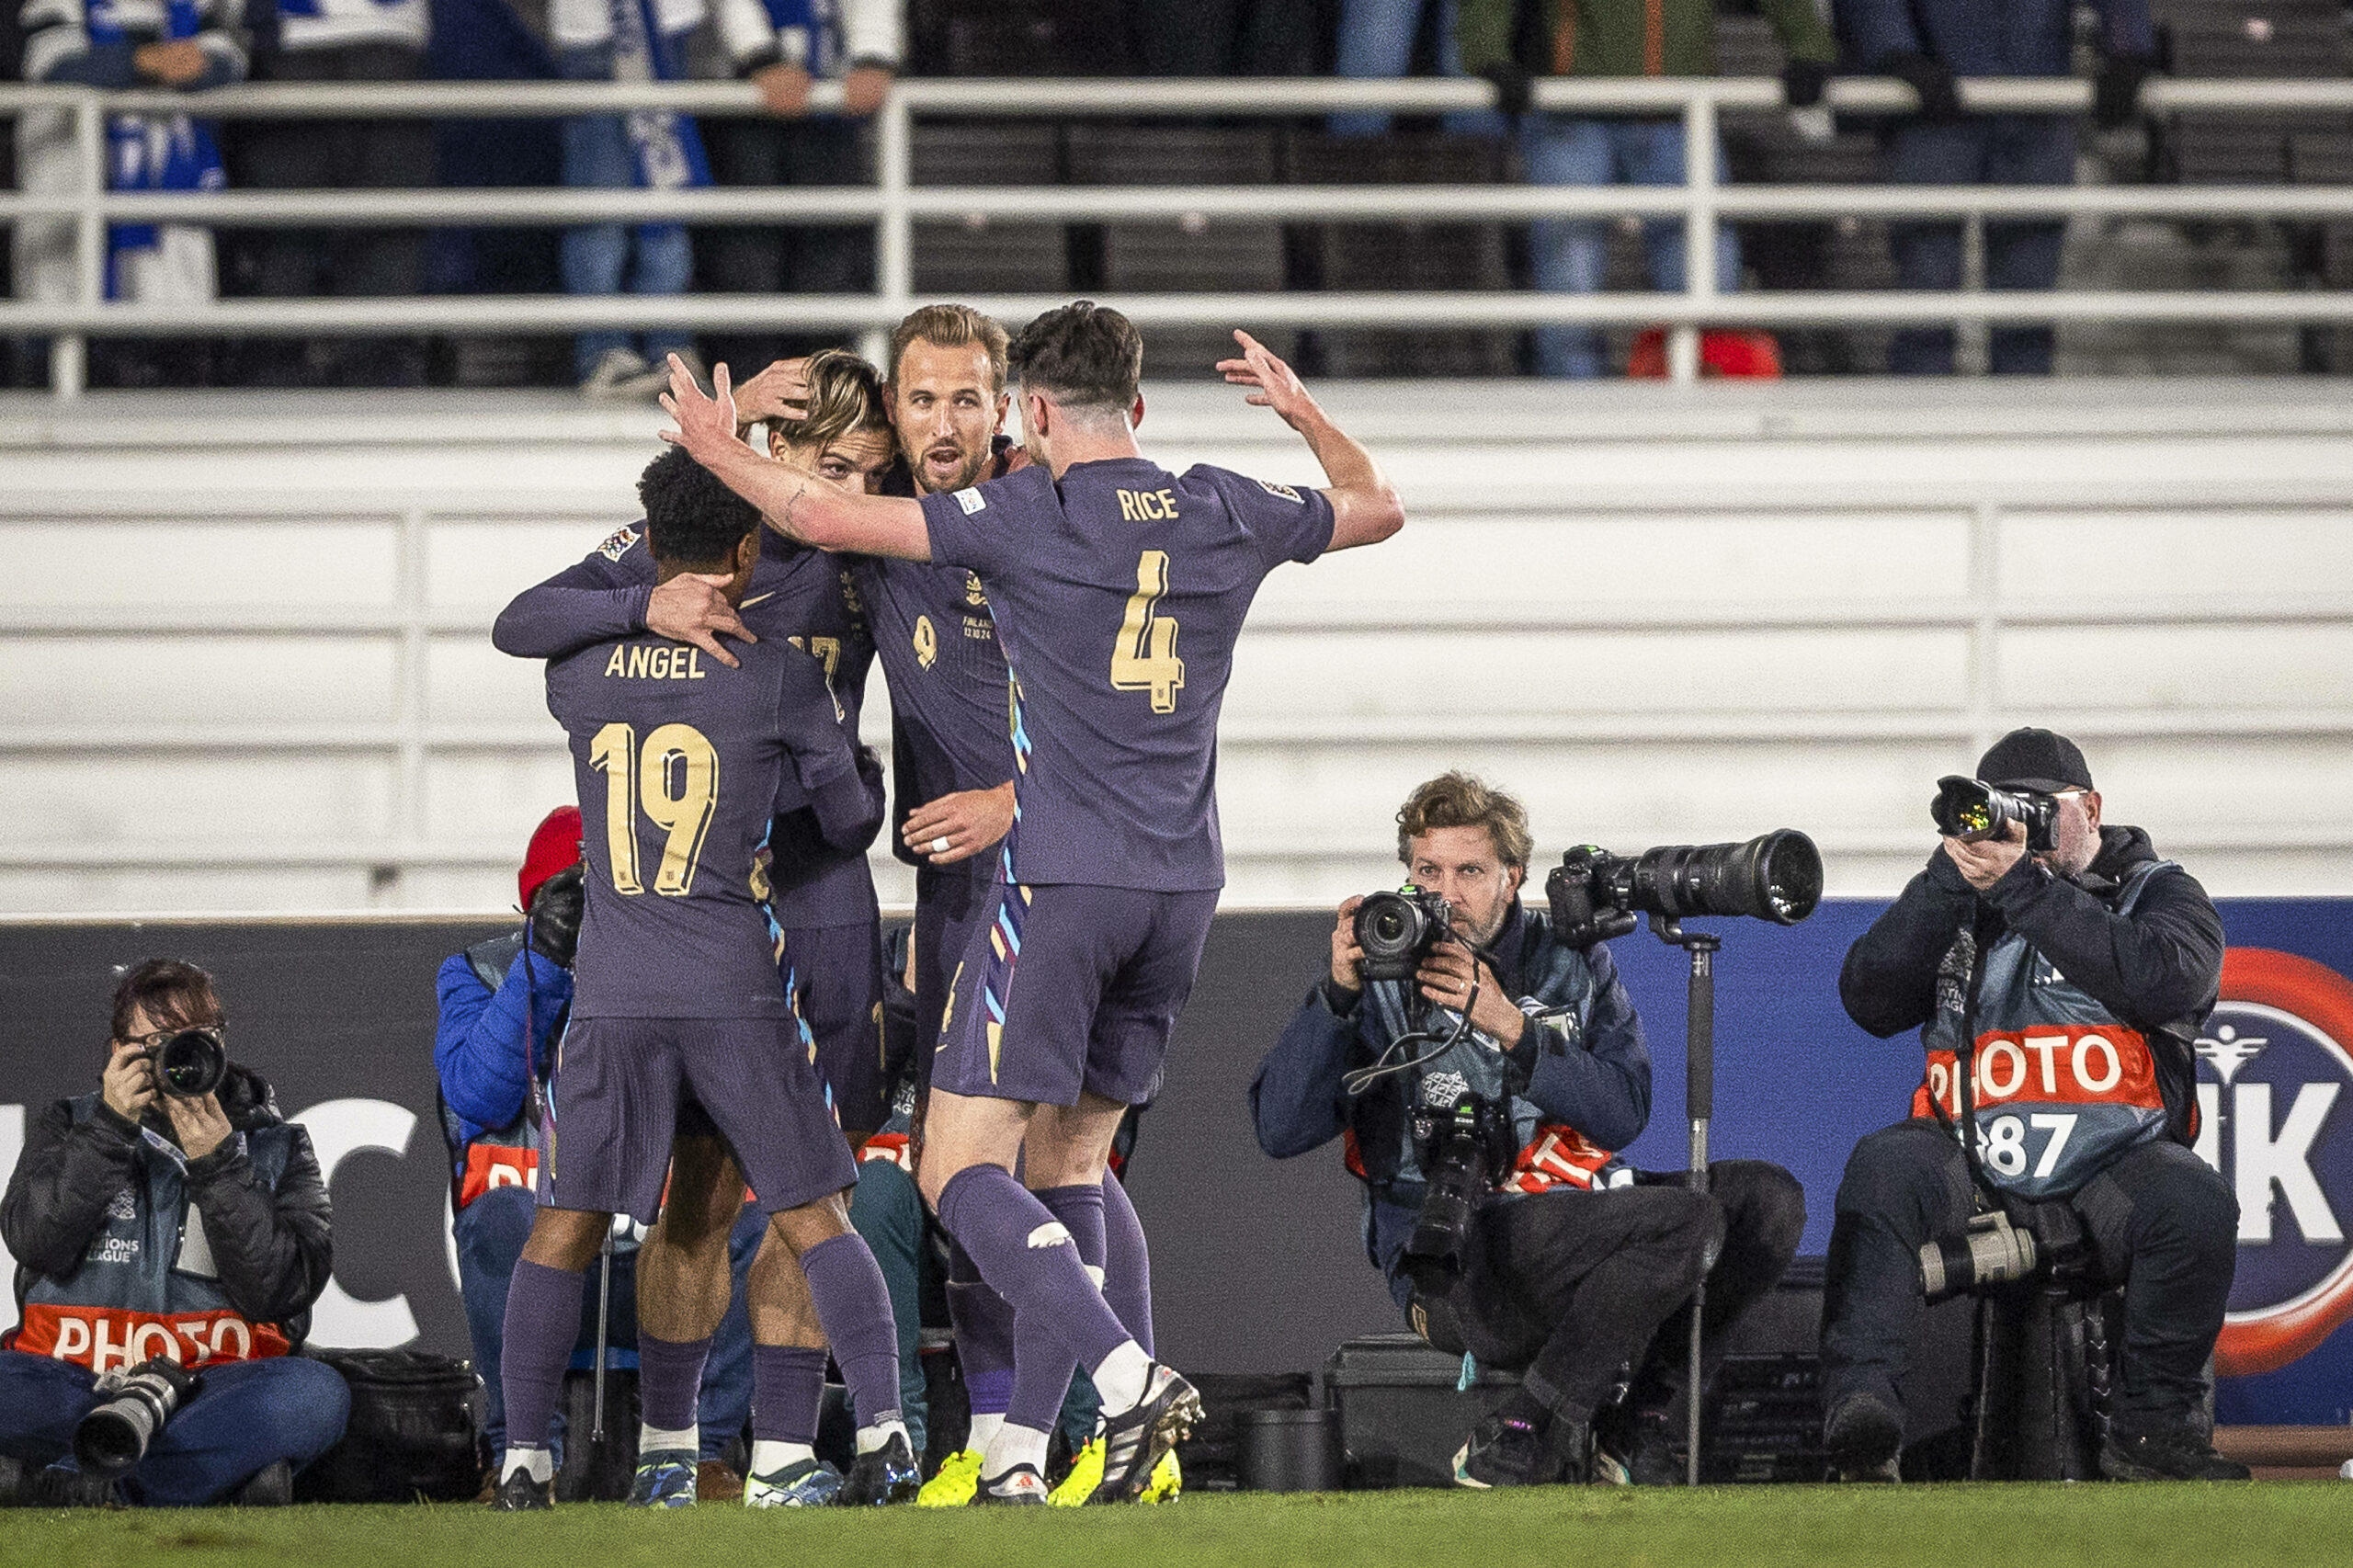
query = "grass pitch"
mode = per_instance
[{"x": 2305, "y": 1524}]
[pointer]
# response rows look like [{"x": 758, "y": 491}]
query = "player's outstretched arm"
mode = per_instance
[
  {"x": 796, "y": 504},
  {"x": 1365, "y": 508}
]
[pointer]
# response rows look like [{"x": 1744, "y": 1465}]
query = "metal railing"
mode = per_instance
[{"x": 894, "y": 203}]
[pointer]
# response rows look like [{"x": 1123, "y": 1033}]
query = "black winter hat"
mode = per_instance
[{"x": 2030, "y": 758}]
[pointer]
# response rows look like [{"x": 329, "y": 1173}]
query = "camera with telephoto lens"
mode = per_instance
[
  {"x": 1969, "y": 811},
  {"x": 133, "y": 1405},
  {"x": 1594, "y": 894},
  {"x": 1397, "y": 930},
  {"x": 1466, "y": 1146},
  {"x": 190, "y": 1063},
  {"x": 1996, "y": 1249}
]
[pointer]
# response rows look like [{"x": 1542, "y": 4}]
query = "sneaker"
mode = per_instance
[
  {"x": 2166, "y": 1453},
  {"x": 272, "y": 1486},
  {"x": 953, "y": 1487},
  {"x": 810, "y": 1483},
  {"x": 519, "y": 1494},
  {"x": 881, "y": 1476},
  {"x": 716, "y": 1482},
  {"x": 1864, "y": 1435},
  {"x": 1020, "y": 1487},
  {"x": 1634, "y": 1448},
  {"x": 665, "y": 1479},
  {"x": 1167, "y": 1483},
  {"x": 616, "y": 371},
  {"x": 1135, "y": 1442},
  {"x": 1505, "y": 1451}
]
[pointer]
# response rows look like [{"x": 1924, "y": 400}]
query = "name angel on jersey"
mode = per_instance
[{"x": 640, "y": 662}]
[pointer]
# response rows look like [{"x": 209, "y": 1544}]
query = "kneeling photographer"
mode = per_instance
[
  {"x": 1481, "y": 1069},
  {"x": 171, "y": 1232},
  {"x": 2059, "y": 972}
]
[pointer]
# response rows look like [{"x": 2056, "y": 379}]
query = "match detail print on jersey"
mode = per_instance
[
  {"x": 675, "y": 754},
  {"x": 1145, "y": 658}
]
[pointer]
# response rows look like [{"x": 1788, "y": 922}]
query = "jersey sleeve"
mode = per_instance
[
  {"x": 598, "y": 600},
  {"x": 825, "y": 775},
  {"x": 972, "y": 528},
  {"x": 1285, "y": 524}
]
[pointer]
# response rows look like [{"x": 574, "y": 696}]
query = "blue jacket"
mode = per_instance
[
  {"x": 1582, "y": 1063},
  {"x": 478, "y": 1046},
  {"x": 1989, "y": 38}
]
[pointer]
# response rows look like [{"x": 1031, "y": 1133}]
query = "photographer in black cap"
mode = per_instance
[{"x": 2059, "y": 971}]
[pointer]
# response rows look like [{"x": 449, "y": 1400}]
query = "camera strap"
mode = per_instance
[{"x": 1964, "y": 1060}]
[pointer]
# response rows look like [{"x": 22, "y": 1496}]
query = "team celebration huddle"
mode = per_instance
[{"x": 1055, "y": 618}]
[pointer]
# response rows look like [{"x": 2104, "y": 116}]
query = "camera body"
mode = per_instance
[
  {"x": 1971, "y": 811},
  {"x": 2046, "y": 1239},
  {"x": 1397, "y": 930},
  {"x": 1594, "y": 894},
  {"x": 191, "y": 1062},
  {"x": 1466, "y": 1147},
  {"x": 133, "y": 1405}
]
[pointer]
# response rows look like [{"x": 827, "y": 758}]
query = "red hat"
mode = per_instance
[{"x": 555, "y": 845}]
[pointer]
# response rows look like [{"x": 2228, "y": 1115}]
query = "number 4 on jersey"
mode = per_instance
[{"x": 1145, "y": 658}]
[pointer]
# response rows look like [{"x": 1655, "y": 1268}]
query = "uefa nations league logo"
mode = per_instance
[{"x": 2276, "y": 1119}]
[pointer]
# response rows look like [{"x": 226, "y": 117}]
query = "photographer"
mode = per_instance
[
  {"x": 2053, "y": 965},
  {"x": 1570, "y": 1264},
  {"x": 151, "y": 1221}
]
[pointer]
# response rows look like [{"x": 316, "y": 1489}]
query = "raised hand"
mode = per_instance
[
  {"x": 706, "y": 424},
  {"x": 1278, "y": 385},
  {"x": 778, "y": 395}
]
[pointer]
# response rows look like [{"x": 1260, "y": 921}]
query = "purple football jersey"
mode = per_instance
[
  {"x": 950, "y": 714},
  {"x": 1119, "y": 594},
  {"x": 797, "y": 594},
  {"x": 682, "y": 765}
]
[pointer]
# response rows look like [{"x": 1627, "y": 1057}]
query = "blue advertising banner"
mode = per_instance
[{"x": 1796, "y": 1082}]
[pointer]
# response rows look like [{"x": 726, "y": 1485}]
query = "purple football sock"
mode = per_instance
[
  {"x": 787, "y": 1387},
  {"x": 669, "y": 1380},
  {"x": 1042, "y": 1367},
  {"x": 1127, "y": 1263},
  {"x": 983, "y": 1327},
  {"x": 854, "y": 1306},
  {"x": 1026, "y": 1256},
  {"x": 543, "y": 1324}
]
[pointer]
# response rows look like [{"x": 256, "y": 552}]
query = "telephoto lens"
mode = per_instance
[
  {"x": 1971, "y": 811},
  {"x": 1594, "y": 894},
  {"x": 1991, "y": 1252},
  {"x": 1397, "y": 930},
  {"x": 133, "y": 1405},
  {"x": 191, "y": 1064}
]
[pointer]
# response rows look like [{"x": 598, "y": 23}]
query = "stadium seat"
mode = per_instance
[
  {"x": 982, "y": 254},
  {"x": 2244, "y": 39}
]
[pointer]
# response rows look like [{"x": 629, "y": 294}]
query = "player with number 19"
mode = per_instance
[{"x": 1119, "y": 589}]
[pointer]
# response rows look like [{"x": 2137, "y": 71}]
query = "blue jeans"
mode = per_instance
[
  {"x": 2001, "y": 149},
  {"x": 1376, "y": 40},
  {"x": 246, "y": 1417},
  {"x": 887, "y": 1210},
  {"x": 1567, "y": 255},
  {"x": 597, "y": 259}
]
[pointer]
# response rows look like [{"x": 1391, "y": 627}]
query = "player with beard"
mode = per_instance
[{"x": 1106, "y": 880}]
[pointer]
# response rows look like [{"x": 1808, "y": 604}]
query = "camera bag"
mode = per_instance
[{"x": 412, "y": 1434}]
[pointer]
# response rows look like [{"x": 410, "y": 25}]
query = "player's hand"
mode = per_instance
[
  {"x": 1346, "y": 954},
  {"x": 128, "y": 1085},
  {"x": 1013, "y": 460},
  {"x": 784, "y": 89},
  {"x": 778, "y": 395},
  {"x": 1445, "y": 978},
  {"x": 200, "y": 1125},
  {"x": 175, "y": 63},
  {"x": 706, "y": 421},
  {"x": 864, "y": 89},
  {"x": 959, "y": 825},
  {"x": 1988, "y": 861},
  {"x": 1279, "y": 386},
  {"x": 690, "y": 607}
]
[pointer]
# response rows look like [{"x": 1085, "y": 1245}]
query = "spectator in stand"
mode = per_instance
[
  {"x": 122, "y": 44},
  {"x": 335, "y": 41},
  {"x": 1619, "y": 38},
  {"x": 1928, "y": 43},
  {"x": 1376, "y": 38},
  {"x": 628, "y": 41},
  {"x": 784, "y": 46}
]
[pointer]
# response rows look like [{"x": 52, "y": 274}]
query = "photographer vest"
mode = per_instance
[
  {"x": 2059, "y": 1086},
  {"x": 504, "y": 1156},
  {"x": 148, "y": 1285}
]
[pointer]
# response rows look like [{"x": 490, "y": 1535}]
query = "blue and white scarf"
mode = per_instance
[{"x": 149, "y": 261}]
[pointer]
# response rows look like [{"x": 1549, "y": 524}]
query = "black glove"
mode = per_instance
[
  {"x": 1515, "y": 86},
  {"x": 1939, "y": 99},
  {"x": 1801, "y": 82},
  {"x": 2115, "y": 91},
  {"x": 556, "y": 909}
]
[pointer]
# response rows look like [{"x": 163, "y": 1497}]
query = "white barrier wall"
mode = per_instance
[{"x": 244, "y": 661}]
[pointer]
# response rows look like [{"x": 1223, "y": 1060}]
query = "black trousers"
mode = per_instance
[
  {"x": 376, "y": 263},
  {"x": 2165, "y": 1225},
  {"x": 737, "y": 259},
  {"x": 1569, "y": 1287}
]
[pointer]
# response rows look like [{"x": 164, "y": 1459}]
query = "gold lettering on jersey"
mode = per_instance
[
  {"x": 1147, "y": 505},
  {"x": 666, "y": 663},
  {"x": 926, "y": 642}
]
